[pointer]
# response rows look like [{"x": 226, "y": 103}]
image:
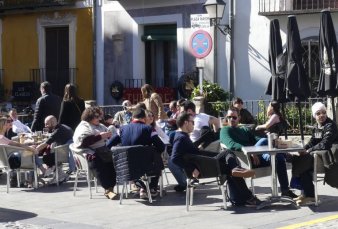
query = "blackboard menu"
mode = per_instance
[{"x": 23, "y": 90}]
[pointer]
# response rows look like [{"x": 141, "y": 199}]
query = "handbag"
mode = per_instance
[{"x": 104, "y": 154}]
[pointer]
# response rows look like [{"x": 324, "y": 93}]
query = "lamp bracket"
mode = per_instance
[{"x": 225, "y": 29}]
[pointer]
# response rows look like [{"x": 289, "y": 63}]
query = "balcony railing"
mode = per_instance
[
  {"x": 282, "y": 7},
  {"x": 33, "y": 4},
  {"x": 39, "y": 75}
]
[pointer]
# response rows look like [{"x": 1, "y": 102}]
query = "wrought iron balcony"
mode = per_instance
[
  {"x": 6, "y": 5},
  {"x": 282, "y": 7}
]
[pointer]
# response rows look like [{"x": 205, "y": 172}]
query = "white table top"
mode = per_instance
[{"x": 266, "y": 149}]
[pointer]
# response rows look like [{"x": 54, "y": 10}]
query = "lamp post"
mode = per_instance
[{"x": 215, "y": 9}]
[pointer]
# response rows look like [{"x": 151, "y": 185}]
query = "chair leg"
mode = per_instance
[
  {"x": 252, "y": 186},
  {"x": 89, "y": 184},
  {"x": 95, "y": 183},
  {"x": 224, "y": 194},
  {"x": 166, "y": 176},
  {"x": 18, "y": 178},
  {"x": 8, "y": 180},
  {"x": 161, "y": 185},
  {"x": 75, "y": 182},
  {"x": 56, "y": 169},
  {"x": 187, "y": 196},
  {"x": 148, "y": 189},
  {"x": 123, "y": 189},
  {"x": 36, "y": 184},
  {"x": 315, "y": 161}
]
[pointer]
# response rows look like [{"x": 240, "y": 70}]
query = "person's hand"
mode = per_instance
[
  {"x": 255, "y": 159},
  {"x": 195, "y": 173},
  {"x": 32, "y": 149},
  {"x": 303, "y": 152},
  {"x": 106, "y": 135}
]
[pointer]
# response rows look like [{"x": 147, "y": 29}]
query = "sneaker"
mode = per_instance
[
  {"x": 179, "y": 188},
  {"x": 194, "y": 182},
  {"x": 143, "y": 194},
  {"x": 253, "y": 202},
  {"x": 306, "y": 201},
  {"x": 153, "y": 192},
  {"x": 290, "y": 194},
  {"x": 300, "y": 197}
]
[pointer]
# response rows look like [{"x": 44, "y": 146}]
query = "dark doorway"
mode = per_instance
[
  {"x": 57, "y": 58},
  {"x": 161, "y": 55}
]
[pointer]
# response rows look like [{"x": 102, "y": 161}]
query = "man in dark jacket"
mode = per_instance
[
  {"x": 139, "y": 133},
  {"x": 323, "y": 136},
  {"x": 47, "y": 104}
]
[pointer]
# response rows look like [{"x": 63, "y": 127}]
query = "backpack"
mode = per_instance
[{"x": 14, "y": 160}]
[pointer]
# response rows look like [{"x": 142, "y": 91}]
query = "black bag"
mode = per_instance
[
  {"x": 104, "y": 154},
  {"x": 331, "y": 175},
  {"x": 14, "y": 160}
]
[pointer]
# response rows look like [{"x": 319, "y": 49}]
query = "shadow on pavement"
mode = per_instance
[{"x": 7, "y": 215}]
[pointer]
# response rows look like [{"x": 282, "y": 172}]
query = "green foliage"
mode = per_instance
[{"x": 216, "y": 98}]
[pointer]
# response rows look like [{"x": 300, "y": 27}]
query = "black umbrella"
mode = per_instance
[
  {"x": 327, "y": 85},
  {"x": 297, "y": 82},
  {"x": 276, "y": 86}
]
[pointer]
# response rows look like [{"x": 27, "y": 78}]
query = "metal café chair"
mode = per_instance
[{"x": 61, "y": 154}]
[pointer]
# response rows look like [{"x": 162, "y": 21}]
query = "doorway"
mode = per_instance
[
  {"x": 161, "y": 55},
  {"x": 57, "y": 57}
]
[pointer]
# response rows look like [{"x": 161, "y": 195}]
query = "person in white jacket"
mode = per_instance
[{"x": 18, "y": 126}]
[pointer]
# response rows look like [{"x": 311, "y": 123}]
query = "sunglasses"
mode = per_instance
[
  {"x": 9, "y": 121},
  {"x": 232, "y": 117},
  {"x": 320, "y": 112}
]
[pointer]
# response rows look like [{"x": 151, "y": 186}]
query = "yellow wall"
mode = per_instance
[{"x": 20, "y": 48}]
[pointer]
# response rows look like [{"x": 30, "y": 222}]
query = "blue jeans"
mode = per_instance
[
  {"x": 265, "y": 160},
  {"x": 178, "y": 173}
]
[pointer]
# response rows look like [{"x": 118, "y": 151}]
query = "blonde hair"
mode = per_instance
[
  {"x": 3, "y": 121},
  {"x": 147, "y": 90}
]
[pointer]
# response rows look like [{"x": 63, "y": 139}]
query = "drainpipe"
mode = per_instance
[
  {"x": 232, "y": 60},
  {"x": 94, "y": 49}
]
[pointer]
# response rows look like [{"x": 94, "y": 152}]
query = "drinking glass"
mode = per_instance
[{"x": 45, "y": 131}]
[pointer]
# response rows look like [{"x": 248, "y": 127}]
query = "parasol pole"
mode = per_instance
[
  {"x": 300, "y": 122},
  {"x": 286, "y": 129},
  {"x": 333, "y": 109}
]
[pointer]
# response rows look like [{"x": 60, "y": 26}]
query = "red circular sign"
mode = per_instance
[{"x": 200, "y": 44}]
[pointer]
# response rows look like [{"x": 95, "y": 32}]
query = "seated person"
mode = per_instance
[
  {"x": 60, "y": 134},
  {"x": 90, "y": 133},
  {"x": 201, "y": 120},
  {"x": 276, "y": 123},
  {"x": 139, "y": 133},
  {"x": 151, "y": 121},
  {"x": 123, "y": 117},
  {"x": 18, "y": 126},
  {"x": 239, "y": 192},
  {"x": 323, "y": 136},
  {"x": 9, "y": 132},
  {"x": 234, "y": 137},
  {"x": 108, "y": 122},
  {"x": 246, "y": 116}
]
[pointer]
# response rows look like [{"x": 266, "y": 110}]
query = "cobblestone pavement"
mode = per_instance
[{"x": 56, "y": 207}]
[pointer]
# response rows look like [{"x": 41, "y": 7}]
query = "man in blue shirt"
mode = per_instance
[{"x": 177, "y": 164}]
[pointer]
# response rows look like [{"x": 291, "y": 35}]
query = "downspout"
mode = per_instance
[
  {"x": 232, "y": 77},
  {"x": 94, "y": 21}
]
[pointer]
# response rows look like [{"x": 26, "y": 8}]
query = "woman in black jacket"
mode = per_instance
[{"x": 72, "y": 107}]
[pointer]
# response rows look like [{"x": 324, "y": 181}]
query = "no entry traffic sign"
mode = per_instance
[{"x": 200, "y": 44}]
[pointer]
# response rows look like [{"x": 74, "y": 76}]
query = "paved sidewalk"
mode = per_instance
[{"x": 55, "y": 207}]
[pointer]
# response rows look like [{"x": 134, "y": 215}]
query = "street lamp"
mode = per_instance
[{"x": 215, "y": 10}]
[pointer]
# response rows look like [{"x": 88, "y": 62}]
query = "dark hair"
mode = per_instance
[
  {"x": 237, "y": 100},
  {"x": 70, "y": 93},
  {"x": 234, "y": 109},
  {"x": 182, "y": 117},
  {"x": 107, "y": 116},
  {"x": 189, "y": 105},
  {"x": 153, "y": 124},
  {"x": 181, "y": 102},
  {"x": 46, "y": 86},
  {"x": 276, "y": 108},
  {"x": 89, "y": 113},
  {"x": 139, "y": 113},
  {"x": 146, "y": 90}
]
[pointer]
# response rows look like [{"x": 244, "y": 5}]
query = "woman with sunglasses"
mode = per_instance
[{"x": 90, "y": 133}]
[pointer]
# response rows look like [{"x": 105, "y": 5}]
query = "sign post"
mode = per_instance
[{"x": 200, "y": 47}]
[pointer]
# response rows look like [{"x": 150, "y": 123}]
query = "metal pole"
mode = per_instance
[
  {"x": 200, "y": 79},
  {"x": 232, "y": 78},
  {"x": 94, "y": 49},
  {"x": 215, "y": 51}
]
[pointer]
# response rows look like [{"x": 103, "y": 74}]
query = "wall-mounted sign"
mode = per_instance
[
  {"x": 200, "y": 44},
  {"x": 24, "y": 90},
  {"x": 199, "y": 21}
]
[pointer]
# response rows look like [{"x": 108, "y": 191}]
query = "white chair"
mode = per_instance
[
  {"x": 61, "y": 154},
  {"x": 82, "y": 167},
  {"x": 318, "y": 172},
  {"x": 245, "y": 162},
  {"x": 27, "y": 163}
]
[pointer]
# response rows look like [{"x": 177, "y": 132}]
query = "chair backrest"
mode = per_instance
[
  {"x": 132, "y": 162},
  {"x": 79, "y": 155},
  {"x": 27, "y": 158},
  {"x": 208, "y": 166},
  {"x": 62, "y": 152}
]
